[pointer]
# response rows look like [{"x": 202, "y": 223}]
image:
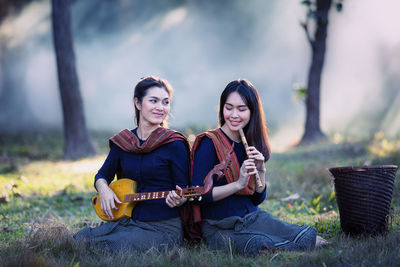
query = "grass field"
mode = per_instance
[{"x": 44, "y": 200}]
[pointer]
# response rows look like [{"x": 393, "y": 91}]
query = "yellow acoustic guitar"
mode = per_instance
[{"x": 125, "y": 190}]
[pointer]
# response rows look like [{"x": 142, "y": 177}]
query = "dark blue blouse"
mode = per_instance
[
  {"x": 234, "y": 205},
  {"x": 158, "y": 170}
]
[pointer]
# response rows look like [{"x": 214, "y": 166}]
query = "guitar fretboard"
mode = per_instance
[
  {"x": 186, "y": 192},
  {"x": 145, "y": 196}
]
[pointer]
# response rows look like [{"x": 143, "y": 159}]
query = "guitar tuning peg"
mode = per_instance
[
  {"x": 191, "y": 199},
  {"x": 200, "y": 198}
]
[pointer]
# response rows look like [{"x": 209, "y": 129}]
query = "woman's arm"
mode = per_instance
[
  {"x": 180, "y": 173},
  {"x": 103, "y": 178},
  {"x": 107, "y": 197},
  {"x": 110, "y": 166},
  {"x": 205, "y": 159},
  {"x": 246, "y": 170}
]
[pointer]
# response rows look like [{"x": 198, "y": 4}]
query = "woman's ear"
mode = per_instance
[{"x": 137, "y": 103}]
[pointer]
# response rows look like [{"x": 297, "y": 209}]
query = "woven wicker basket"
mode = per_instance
[{"x": 364, "y": 195}]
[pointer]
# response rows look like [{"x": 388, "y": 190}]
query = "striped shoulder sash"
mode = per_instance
[{"x": 222, "y": 146}]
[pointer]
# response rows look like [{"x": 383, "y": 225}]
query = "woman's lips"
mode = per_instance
[
  {"x": 158, "y": 114},
  {"x": 235, "y": 123}
]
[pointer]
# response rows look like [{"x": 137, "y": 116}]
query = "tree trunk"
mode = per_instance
[
  {"x": 77, "y": 143},
  {"x": 313, "y": 131}
]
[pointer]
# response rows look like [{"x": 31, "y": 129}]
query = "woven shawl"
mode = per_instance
[
  {"x": 222, "y": 146},
  {"x": 129, "y": 142}
]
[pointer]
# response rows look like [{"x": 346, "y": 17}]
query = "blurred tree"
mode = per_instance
[
  {"x": 13, "y": 7},
  {"x": 77, "y": 142},
  {"x": 14, "y": 107},
  {"x": 317, "y": 13}
]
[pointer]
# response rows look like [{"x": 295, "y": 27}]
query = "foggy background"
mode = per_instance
[{"x": 200, "y": 46}]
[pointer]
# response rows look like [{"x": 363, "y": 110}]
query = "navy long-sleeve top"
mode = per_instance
[
  {"x": 234, "y": 205},
  {"x": 158, "y": 170}
]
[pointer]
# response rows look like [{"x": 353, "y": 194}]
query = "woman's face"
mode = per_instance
[
  {"x": 155, "y": 106},
  {"x": 236, "y": 112}
]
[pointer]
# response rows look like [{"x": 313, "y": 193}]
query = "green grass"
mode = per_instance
[{"x": 44, "y": 200}]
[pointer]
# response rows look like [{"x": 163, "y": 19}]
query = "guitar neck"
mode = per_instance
[
  {"x": 145, "y": 196},
  {"x": 186, "y": 192}
]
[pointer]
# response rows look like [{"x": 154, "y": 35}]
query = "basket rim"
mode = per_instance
[{"x": 362, "y": 168}]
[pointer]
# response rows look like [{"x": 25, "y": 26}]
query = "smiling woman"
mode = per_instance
[
  {"x": 152, "y": 101},
  {"x": 156, "y": 158},
  {"x": 153, "y": 108},
  {"x": 231, "y": 214}
]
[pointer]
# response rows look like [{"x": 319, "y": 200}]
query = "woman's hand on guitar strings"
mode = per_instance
[
  {"x": 108, "y": 200},
  {"x": 174, "y": 200}
]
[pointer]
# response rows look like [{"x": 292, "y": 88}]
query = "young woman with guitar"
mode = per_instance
[
  {"x": 230, "y": 214},
  {"x": 157, "y": 159}
]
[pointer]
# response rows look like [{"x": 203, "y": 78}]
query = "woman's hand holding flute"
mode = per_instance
[{"x": 259, "y": 183}]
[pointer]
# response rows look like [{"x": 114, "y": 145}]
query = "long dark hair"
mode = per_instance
[
  {"x": 256, "y": 129},
  {"x": 141, "y": 90}
]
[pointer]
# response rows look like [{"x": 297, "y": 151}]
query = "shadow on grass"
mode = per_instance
[
  {"x": 18, "y": 150},
  {"x": 20, "y": 215}
]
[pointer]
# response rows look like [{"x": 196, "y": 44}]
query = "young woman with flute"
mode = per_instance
[{"x": 230, "y": 214}]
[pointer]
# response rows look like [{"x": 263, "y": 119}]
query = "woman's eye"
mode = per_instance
[
  {"x": 242, "y": 109},
  {"x": 228, "y": 108},
  {"x": 166, "y": 102},
  {"x": 153, "y": 101}
]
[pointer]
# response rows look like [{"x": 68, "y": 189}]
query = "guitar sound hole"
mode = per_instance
[{"x": 94, "y": 201}]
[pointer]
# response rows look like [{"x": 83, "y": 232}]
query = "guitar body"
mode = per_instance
[
  {"x": 125, "y": 190},
  {"x": 121, "y": 188}
]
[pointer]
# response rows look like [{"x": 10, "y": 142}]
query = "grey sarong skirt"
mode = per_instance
[
  {"x": 256, "y": 231},
  {"x": 127, "y": 234}
]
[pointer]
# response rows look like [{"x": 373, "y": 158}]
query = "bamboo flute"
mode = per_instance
[{"x": 244, "y": 141}]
